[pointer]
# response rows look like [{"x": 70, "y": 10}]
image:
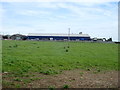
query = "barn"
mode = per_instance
[{"x": 53, "y": 36}]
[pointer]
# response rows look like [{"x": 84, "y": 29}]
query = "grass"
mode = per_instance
[{"x": 22, "y": 57}]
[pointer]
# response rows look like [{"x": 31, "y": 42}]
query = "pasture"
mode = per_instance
[{"x": 26, "y": 58}]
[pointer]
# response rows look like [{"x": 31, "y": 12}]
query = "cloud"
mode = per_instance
[
  {"x": 82, "y": 11},
  {"x": 46, "y": 5},
  {"x": 97, "y": 1},
  {"x": 27, "y": 12},
  {"x": 32, "y": 12},
  {"x": 56, "y": 17},
  {"x": 2, "y": 11},
  {"x": 62, "y": 17}
]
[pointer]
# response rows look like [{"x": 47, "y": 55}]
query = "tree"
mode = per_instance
[{"x": 110, "y": 39}]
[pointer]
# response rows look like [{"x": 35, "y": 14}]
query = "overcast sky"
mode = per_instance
[{"x": 98, "y": 19}]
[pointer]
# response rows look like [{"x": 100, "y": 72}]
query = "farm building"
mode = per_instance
[{"x": 47, "y": 36}]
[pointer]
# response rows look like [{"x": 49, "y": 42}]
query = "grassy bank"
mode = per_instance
[{"x": 21, "y": 57}]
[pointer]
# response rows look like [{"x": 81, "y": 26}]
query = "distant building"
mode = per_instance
[
  {"x": 18, "y": 37},
  {"x": 47, "y": 36},
  {"x": 98, "y": 39},
  {"x": 101, "y": 39}
]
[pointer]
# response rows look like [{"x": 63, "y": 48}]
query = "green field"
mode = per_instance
[{"x": 22, "y": 57}]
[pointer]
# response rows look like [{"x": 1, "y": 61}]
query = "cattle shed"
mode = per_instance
[{"x": 53, "y": 36}]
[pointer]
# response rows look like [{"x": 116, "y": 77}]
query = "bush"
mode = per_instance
[
  {"x": 51, "y": 87},
  {"x": 10, "y": 46},
  {"x": 66, "y": 86},
  {"x": 17, "y": 79},
  {"x": 15, "y": 45},
  {"x": 49, "y": 72},
  {"x": 68, "y": 46},
  {"x": 66, "y": 50}
]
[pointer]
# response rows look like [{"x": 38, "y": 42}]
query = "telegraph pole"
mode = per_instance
[
  {"x": 68, "y": 36},
  {"x": 66, "y": 48}
]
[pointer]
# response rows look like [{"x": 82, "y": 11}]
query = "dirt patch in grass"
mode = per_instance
[{"x": 71, "y": 79}]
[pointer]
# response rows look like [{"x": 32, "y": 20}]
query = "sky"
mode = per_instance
[{"x": 98, "y": 19}]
